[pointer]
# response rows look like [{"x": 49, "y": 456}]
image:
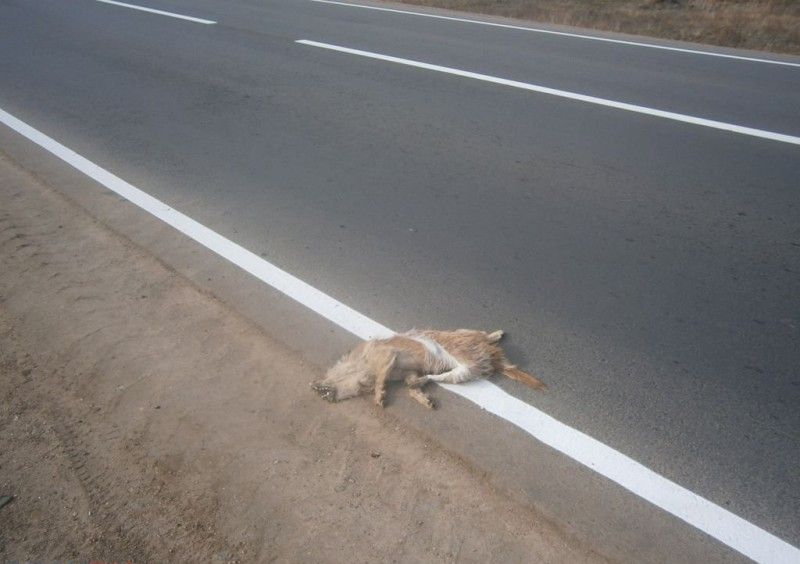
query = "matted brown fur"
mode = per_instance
[{"x": 416, "y": 358}]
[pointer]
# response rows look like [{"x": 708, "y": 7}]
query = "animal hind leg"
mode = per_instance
[
  {"x": 457, "y": 375},
  {"x": 414, "y": 380}
]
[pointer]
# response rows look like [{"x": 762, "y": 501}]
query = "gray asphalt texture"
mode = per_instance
[{"x": 647, "y": 270}]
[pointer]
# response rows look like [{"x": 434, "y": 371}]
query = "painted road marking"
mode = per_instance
[
  {"x": 159, "y": 12},
  {"x": 783, "y": 138},
  {"x": 719, "y": 523},
  {"x": 563, "y": 33}
]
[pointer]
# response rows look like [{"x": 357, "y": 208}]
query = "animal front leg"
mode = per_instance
[{"x": 381, "y": 376}]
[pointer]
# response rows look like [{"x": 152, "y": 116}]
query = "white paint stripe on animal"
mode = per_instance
[
  {"x": 450, "y": 368},
  {"x": 442, "y": 357},
  {"x": 433, "y": 348},
  {"x": 565, "y": 34},
  {"x": 753, "y": 132},
  {"x": 719, "y": 523}
]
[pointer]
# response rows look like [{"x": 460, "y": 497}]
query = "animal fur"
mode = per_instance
[{"x": 416, "y": 358}]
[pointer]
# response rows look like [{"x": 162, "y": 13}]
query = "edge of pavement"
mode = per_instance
[
  {"x": 586, "y": 507},
  {"x": 142, "y": 420}
]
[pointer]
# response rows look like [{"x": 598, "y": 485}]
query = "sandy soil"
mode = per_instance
[{"x": 141, "y": 420}]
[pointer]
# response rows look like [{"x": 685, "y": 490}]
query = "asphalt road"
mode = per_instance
[{"x": 647, "y": 270}]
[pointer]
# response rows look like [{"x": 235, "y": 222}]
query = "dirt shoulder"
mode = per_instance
[
  {"x": 141, "y": 420},
  {"x": 763, "y": 25}
]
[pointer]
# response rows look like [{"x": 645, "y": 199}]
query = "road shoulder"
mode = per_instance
[{"x": 143, "y": 420}]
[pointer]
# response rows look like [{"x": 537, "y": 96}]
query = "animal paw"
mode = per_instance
[{"x": 422, "y": 398}]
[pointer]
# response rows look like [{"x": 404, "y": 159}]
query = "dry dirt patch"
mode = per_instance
[{"x": 140, "y": 419}]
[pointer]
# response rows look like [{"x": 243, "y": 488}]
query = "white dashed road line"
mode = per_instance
[
  {"x": 159, "y": 12},
  {"x": 771, "y": 135}
]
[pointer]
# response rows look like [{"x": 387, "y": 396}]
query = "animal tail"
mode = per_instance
[
  {"x": 515, "y": 373},
  {"x": 495, "y": 336}
]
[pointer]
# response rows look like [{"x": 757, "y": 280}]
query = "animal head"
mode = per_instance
[{"x": 345, "y": 379}]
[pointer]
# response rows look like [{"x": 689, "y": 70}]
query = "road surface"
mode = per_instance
[{"x": 647, "y": 269}]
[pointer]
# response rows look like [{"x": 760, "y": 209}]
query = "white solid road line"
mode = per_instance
[
  {"x": 159, "y": 12},
  {"x": 564, "y": 34},
  {"x": 721, "y": 524},
  {"x": 783, "y": 138}
]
